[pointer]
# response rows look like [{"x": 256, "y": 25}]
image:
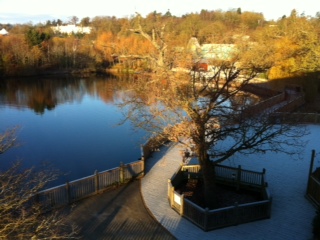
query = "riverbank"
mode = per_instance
[{"x": 50, "y": 71}]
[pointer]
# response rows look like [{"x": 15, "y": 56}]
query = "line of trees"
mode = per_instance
[{"x": 293, "y": 40}]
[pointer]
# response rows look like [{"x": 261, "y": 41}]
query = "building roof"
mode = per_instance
[
  {"x": 71, "y": 28},
  {"x": 211, "y": 51},
  {"x": 217, "y": 51},
  {"x": 3, "y": 32}
]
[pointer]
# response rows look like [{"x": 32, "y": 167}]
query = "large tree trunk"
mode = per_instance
[
  {"x": 160, "y": 60},
  {"x": 208, "y": 171}
]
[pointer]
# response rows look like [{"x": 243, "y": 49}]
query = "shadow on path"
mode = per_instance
[
  {"x": 160, "y": 153},
  {"x": 116, "y": 214}
]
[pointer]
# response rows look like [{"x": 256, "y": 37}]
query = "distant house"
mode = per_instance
[
  {"x": 201, "y": 65},
  {"x": 71, "y": 28},
  {"x": 206, "y": 52},
  {"x": 217, "y": 51},
  {"x": 3, "y": 32}
]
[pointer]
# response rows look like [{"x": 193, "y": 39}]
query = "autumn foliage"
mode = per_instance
[{"x": 290, "y": 45}]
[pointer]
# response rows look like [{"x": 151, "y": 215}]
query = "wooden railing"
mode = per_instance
[
  {"x": 222, "y": 217},
  {"x": 292, "y": 105},
  {"x": 100, "y": 181},
  {"x": 264, "y": 105},
  {"x": 228, "y": 216},
  {"x": 313, "y": 190},
  {"x": 240, "y": 177},
  {"x": 259, "y": 90},
  {"x": 234, "y": 176},
  {"x": 154, "y": 143},
  {"x": 81, "y": 188},
  {"x": 286, "y": 117},
  {"x": 313, "y": 186}
]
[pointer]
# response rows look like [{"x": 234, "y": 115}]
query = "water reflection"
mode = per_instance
[
  {"x": 46, "y": 93},
  {"x": 69, "y": 122}
]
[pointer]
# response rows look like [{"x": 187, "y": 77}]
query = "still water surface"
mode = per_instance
[{"x": 70, "y": 123}]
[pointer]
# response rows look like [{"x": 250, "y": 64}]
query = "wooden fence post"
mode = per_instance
[
  {"x": 96, "y": 181},
  {"x": 236, "y": 213},
  {"x": 143, "y": 166},
  {"x": 142, "y": 159},
  {"x": 262, "y": 177},
  {"x": 68, "y": 192},
  {"x": 206, "y": 212},
  {"x": 313, "y": 154},
  {"x": 172, "y": 196},
  {"x": 269, "y": 207},
  {"x": 238, "y": 177},
  {"x": 181, "y": 204},
  {"x": 169, "y": 190},
  {"x": 121, "y": 172}
]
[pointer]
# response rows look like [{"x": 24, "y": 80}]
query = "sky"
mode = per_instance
[{"x": 36, "y": 11}]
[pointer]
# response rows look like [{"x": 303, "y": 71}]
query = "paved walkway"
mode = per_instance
[
  {"x": 292, "y": 213},
  {"x": 116, "y": 214}
]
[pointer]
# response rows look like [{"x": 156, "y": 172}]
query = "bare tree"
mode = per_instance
[
  {"x": 21, "y": 216},
  {"x": 7, "y": 139},
  {"x": 212, "y": 112},
  {"x": 156, "y": 38},
  {"x": 73, "y": 20}
]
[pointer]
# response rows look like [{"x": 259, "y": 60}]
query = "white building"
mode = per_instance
[
  {"x": 3, "y": 32},
  {"x": 69, "y": 29}
]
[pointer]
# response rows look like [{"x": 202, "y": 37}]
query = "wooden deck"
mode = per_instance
[{"x": 116, "y": 214}]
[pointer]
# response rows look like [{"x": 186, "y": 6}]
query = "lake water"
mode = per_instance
[{"x": 71, "y": 123}]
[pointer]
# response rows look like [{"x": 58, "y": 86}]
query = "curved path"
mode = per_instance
[
  {"x": 292, "y": 213},
  {"x": 116, "y": 214}
]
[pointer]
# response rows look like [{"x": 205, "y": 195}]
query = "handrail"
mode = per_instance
[
  {"x": 87, "y": 186},
  {"x": 203, "y": 218}
]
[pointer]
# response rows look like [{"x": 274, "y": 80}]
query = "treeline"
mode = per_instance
[{"x": 289, "y": 45}]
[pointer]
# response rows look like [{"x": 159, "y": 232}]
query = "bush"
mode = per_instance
[{"x": 316, "y": 225}]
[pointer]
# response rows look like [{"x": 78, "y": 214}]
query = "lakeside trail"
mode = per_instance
[{"x": 116, "y": 214}]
